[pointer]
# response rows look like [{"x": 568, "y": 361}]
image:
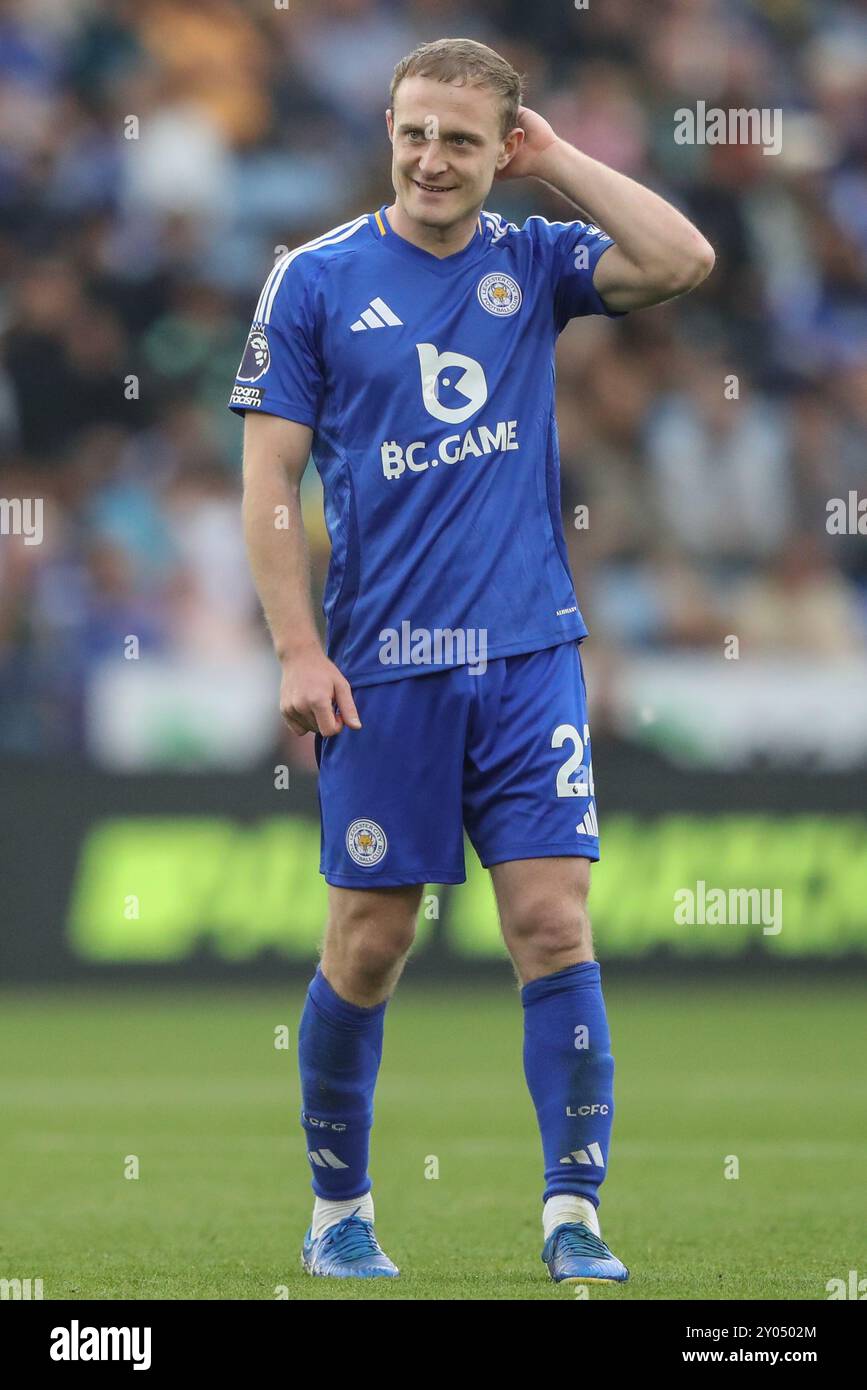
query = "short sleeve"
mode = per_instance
[
  {"x": 280, "y": 372},
  {"x": 570, "y": 250}
]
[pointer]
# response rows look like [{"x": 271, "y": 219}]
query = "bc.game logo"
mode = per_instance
[{"x": 467, "y": 381}]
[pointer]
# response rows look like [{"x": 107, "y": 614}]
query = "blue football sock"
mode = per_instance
[
  {"x": 570, "y": 1073},
  {"x": 339, "y": 1051}
]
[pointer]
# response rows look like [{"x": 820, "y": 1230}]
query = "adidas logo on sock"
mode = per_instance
[
  {"x": 592, "y": 1154},
  {"x": 324, "y": 1158},
  {"x": 379, "y": 319}
]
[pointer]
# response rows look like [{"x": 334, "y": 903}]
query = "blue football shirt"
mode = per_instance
[{"x": 429, "y": 385}]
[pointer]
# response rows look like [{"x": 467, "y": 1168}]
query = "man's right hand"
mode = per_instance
[{"x": 309, "y": 690}]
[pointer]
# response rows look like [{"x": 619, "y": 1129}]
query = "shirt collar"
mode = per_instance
[{"x": 440, "y": 265}]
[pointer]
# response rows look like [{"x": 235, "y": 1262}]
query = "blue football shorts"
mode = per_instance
[{"x": 504, "y": 754}]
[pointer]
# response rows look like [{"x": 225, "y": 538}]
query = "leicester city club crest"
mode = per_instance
[
  {"x": 366, "y": 842},
  {"x": 500, "y": 295}
]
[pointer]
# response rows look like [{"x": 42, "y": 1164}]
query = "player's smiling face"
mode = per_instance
[{"x": 447, "y": 146}]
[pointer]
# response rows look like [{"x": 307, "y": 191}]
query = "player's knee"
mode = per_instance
[
  {"x": 374, "y": 958},
  {"x": 550, "y": 924},
  {"x": 369, "y": 941}
]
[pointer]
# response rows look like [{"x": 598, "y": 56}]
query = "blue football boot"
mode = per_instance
[
  {"x": 574, "y": 1255},
  {"x": 347, "y": 1250}
]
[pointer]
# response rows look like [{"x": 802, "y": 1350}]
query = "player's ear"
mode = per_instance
[
  {"x": 389, "y": 121},
  {"x": 512, "y": 143}
]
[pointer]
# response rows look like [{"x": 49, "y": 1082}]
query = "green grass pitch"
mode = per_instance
[{"x": 193, "y": 1086}]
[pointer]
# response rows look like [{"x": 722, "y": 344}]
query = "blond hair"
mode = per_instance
[{"x": 465, "y": 62}]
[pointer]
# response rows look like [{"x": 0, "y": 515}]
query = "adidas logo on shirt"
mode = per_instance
[{"x": 378, "y": 315}]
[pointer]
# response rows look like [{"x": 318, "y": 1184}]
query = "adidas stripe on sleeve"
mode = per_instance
[
  {"x": 571, "y": 250},
  {"x": 281, "y": 370}
]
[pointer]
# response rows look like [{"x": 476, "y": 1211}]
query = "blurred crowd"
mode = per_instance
[{"x": 155, "y": 156}]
